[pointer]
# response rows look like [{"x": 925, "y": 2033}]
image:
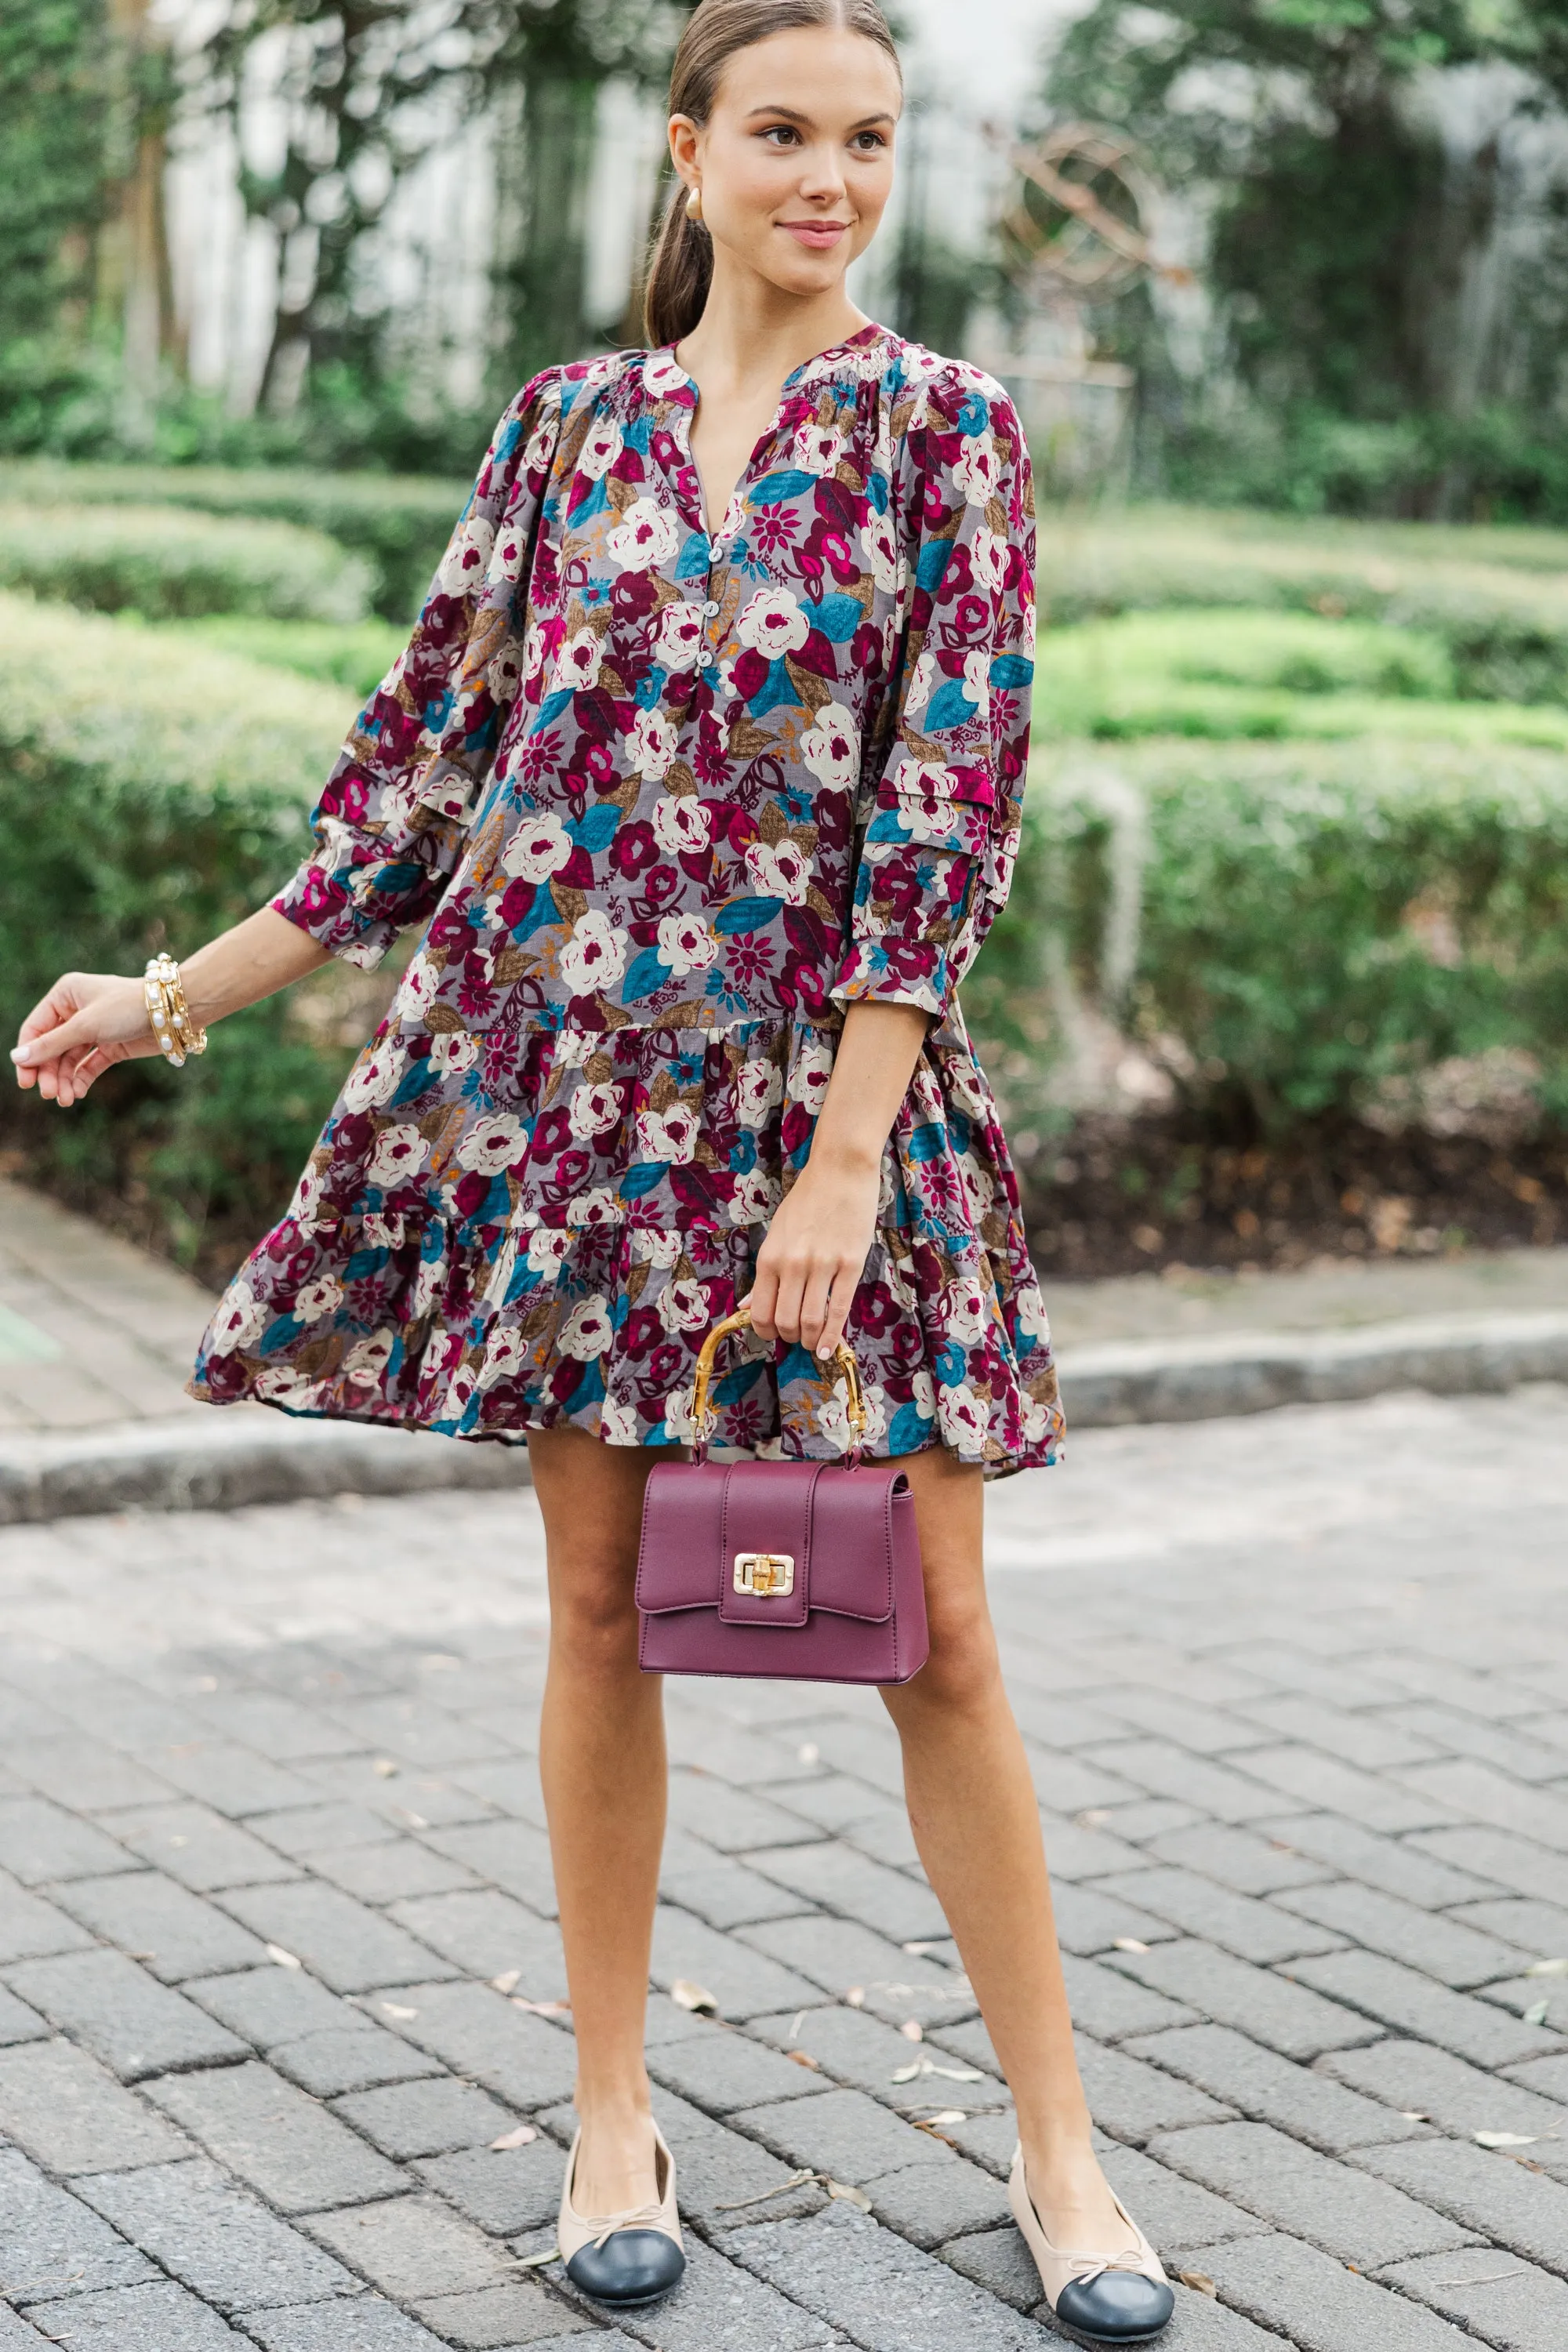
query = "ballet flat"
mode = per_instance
[
  {"x": 1124, "y": 2298},
  {"x": 624, "y": 2258}
]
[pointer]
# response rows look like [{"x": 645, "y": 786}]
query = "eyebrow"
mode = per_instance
[{"x": 790, "y": 115}]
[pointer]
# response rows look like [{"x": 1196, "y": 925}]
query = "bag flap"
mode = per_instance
[
  {"x": 852, "y": 1539},
  {"x": 768, "y": 1535},
  {"x": 682, "y": 1537}
]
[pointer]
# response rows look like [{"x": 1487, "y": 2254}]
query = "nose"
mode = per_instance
[{"x": 822, "y": 175}]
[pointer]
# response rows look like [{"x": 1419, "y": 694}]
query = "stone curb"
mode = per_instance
[
  {"x": 1124, "y": 1380},
  {"x": 224, "y": 1460}
]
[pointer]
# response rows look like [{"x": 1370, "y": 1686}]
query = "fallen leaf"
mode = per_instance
[
  {"x": 521, "y": 2137},
  {"x": 799, "y": 2058},
  {"x": 1510, "y": 2139},
  {"x": 536, "y": 2262},
  {"x": 808, "y": 1752},
  {"x": 384, "y": 1767},
  {"x": 856, "y": 1996},
  {"x": 847, "y": 2196},
  {"x": 912, "y": 2030},
  {"x": 1129, "y": 1944},
  {"x": 799, "y": 2022},
  {"x": 284, "y": 1960},
  {"x": 686, "y": 1995},
  {"x": 508, "y": 1981},
  {"x": 1536, "y": 2013},
  {"x": 907, "y": 2074},
  {"x": 390, "y": 2008},
  {"x": 1094, "y": 1819},
  {"x": 541, "y": 2008},
  {"x": 918, "y": 1952},
  {"x": 1415, "y": 2116},
  {"x": 1547, "y": 1969},
  {"x": 415, "y": 1821},
  {"x": 955, "y": 2074},
  {"x": 1199, "y": 2281},
  {"x": 946, "y": 2115}
]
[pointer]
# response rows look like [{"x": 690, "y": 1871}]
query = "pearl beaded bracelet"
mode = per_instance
[{"x": 170, "y": 1015}]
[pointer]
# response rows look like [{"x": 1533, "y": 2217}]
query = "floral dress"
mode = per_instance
[{"x": 666, "y": 803}]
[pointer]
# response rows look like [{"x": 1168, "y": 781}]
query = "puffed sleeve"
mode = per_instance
[
  {"x": 941, "y": 791},
  {"x": 392, "y": 820}
]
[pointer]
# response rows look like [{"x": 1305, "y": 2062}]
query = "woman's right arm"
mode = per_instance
[{"x": 90, "y": 1019}]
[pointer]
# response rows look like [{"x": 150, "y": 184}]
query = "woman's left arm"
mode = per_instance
[{"x": 810, "y": 1264}]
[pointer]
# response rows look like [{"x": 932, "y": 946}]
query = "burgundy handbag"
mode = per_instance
[{"x": 804, "y": 1572}]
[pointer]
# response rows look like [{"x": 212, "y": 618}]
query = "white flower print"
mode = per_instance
[
  {"x": 618, "y": 1422},
  {"x": 307, "y": 1199},
  {"x": 1030, "y": 1311},
  {"x": 381, "y": 1231},
  {"x": 680, "y": 1427},
  {"x": 579, "y": 661},
  {"x": 540, "y": 450},
  {"x": 809, "y": 1078},
  {"x": 670, "y": 1135},
  {"x": 772, "y": 623},
  {"x": 595, "y": 955},
  {"x": 923, "y": 1395},
  {"x": 399, "y": 1154},
  {"x": 587, "y": 1330},
  {"x": 677, "y": 642},
  {"x": 818, "y": 450},
  {"x": 593, "y": 1110},
  {"x": 427, "y": 1287},
  {"x": 686, "y": 944},
  {"x": 925, "y": 818},
  {"x": 650, "y": 1248},
  {"x": 416, "y": 989},
  {"x": 661, "y": 376},
  {"x": 683, "y": 1306},
  {"x": 504, "y": 1358},
  {"x": 978, "y": 471},
  {"x": 459, "y": 1394},
  {"x": 650, "y": 746},
  {"x": 600, "y": 450},
  {"x": 467, "y": 560},
  {"x": 541, "y": 847},
  {"x": 645, "y": 538},
  {"x": 881, "y": 552},
  {"x": 594, "y": 1209},
  {"x": 831, "y": 749},
  {"x": 977, "y": 681},
  {"x": 781, "y": 871},
  {"x": 833, "y": 1420},
  {"x": 548, "y": 1248},
  {"x": 756, "y": 1196},
  {"x": 318, "y": 1298},
  {"x": 278, "y": 1381},
  {"x": 961, "y": 1418},
  {"x": 1037, "y": 1422},
  {"x": 965, "y": 1313},
  {"x": 683, "y": 825},
  {"x": 364, "y": 1364},
  {"x": 988, "y": 561},
  {"x": 373, "y": 1080},
  {"x": 492, "y": 1144},
  {"x": 758, "y": 1087},
  {"x": 922, "y": 684},
  {"x": 240, "y": 1320},
  {"x": 453, "y": 1051},
  {"x": 573, "y": 1047}
]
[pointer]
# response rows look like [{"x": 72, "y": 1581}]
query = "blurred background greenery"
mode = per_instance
[{"x": 1280, "y": 287}]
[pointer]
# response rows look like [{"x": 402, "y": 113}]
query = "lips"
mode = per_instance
[{"x": 821, "y": 236}]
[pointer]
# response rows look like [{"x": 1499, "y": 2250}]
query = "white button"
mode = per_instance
[{"x": 712, "y": 610}]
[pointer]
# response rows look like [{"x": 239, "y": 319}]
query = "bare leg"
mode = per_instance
[
  {"x": 977, "y": 1826},
  {"x": 602, "y": 1762}
]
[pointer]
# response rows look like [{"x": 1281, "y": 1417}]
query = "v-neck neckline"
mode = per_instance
[{"x": 689, "y": 396}]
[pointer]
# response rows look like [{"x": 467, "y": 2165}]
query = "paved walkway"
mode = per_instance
[{"x": 282, "y": 2063}]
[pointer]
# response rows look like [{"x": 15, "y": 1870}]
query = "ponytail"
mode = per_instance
[
  {"x": 681, "y": 268},
  {"x": 679, "y": 276}
]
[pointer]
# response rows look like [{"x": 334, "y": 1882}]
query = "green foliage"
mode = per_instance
[
  {"x": 159, "y": 791},
  {"x": 168, "y": 566},
  {"x": 1504, "y": 624},
  {"x": 357, "y": 656},
  {"x": 54, "y": 125},
  {"x": 399, "y": 524},
  {"x": 1316, "y": 918},
  {"x": 1226, "y": 673}
]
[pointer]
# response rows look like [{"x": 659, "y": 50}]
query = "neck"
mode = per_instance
[{"x": 753, "y": 334}]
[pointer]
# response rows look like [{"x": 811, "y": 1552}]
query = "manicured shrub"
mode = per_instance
[
  {"x": 1307, "y": 920},
  {"x": 169, "y": 565},
  {"x": 154, "y": 791},
  {"x": 398, "y": 523},
  {"x": 357, "y": 656}
]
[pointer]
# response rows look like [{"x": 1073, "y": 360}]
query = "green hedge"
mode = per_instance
[
  {"x": 153, "y": 792},
  {"x": 357, "y": 656},
  {"x": 1313, "y": 918},
  {"x": 174, "y": 566},
  {"x": 399, "y": 524},
  {"x": 1503, "y": 621},
  {"x": 1223, "y": 674}
]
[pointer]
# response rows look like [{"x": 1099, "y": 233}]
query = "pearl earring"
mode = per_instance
[{"x": 694, "y": 205}]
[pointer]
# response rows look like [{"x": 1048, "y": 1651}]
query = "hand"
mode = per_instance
[
  {"x": 89, "y": 1020},
  {"x": 810, "y": 1265}
]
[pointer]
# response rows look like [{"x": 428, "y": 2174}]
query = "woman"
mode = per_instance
[{"x": 701, "y": 772}]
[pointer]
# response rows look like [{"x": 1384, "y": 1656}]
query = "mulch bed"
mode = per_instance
[{"x": 1122, "y": 1196}]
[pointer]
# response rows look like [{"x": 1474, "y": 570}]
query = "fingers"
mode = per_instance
[
  {"x": 846, "y": 1282},
  {"x": 43, "y": 1040},
  {"x": 763, "y": 1301},
  {"x": 804, "y": 1302}
]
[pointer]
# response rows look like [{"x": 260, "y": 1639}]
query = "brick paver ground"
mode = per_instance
[{"x": 278, "y": 1949}]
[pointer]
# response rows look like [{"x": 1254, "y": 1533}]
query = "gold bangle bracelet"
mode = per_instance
[{"x": 176, "y": 1033}]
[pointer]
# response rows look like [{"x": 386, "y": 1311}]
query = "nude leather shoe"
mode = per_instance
[
  {"x": 1125, "y": 2298},
  {"x": 624, "y": 2258}
]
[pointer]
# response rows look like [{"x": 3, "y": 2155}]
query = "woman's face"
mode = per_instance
[{"x": 796, "y": 164}]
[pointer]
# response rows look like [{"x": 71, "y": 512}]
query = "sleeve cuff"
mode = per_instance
[
  {"x": 881, "y": 971},
  {"x": 315, "y": 903}
]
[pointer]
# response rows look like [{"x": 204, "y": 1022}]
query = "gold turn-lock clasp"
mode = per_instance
[{"x": 770, "y": 1575}]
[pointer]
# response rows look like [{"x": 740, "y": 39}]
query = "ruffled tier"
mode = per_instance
[{"x": 545, "y": 1236}]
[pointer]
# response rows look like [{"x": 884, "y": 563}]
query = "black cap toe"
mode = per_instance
[
  {"x": 634, "y": 2266},
  {"x": 1116, "y": 2307}
]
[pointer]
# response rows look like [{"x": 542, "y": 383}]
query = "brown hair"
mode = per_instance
[{"x": 682, "y": 265}]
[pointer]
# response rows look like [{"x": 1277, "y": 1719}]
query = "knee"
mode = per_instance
[
  {"x": 963, "y": 1671},
  {"x": 594, "y": 1619}
]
